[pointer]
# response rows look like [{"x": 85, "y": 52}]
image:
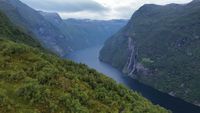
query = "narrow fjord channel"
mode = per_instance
[{"x": 90, "y": 57}]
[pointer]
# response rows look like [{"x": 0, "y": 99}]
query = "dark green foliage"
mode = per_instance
[
  {"x": 167, "y": 40},
  {"x": 5, "y": 104},
  {"x": 114, "y": 51},
  {"x": 72, "y": 105},
  {"x": 34, "y": 93},
  {"x": 34, "y": 81}
]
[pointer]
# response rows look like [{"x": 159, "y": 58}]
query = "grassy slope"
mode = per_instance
[{"x": 32, "y": 81}]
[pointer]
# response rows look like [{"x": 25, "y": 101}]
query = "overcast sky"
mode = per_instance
[{"x": 95, "y": 9}]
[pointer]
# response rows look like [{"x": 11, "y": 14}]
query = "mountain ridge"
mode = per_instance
[
  {"x": 24, "y": 16},
  {"x": 158, "y": 47}
]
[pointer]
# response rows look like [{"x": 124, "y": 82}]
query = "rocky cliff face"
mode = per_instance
[
  {"x": 34, "y": 23},
  {"x": 160, "y": 47}
]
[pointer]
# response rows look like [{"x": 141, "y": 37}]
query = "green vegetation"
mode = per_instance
[
  {"x": 167, "y": 43},
  {"x": 147, "y": 61},
  {"x": 7, "y": 30},
  {"x": 115, "y": 51},
  {"x": 32, "y": 81}
]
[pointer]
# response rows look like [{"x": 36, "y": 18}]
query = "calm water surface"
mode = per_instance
[{"x": 90, "y": 57}]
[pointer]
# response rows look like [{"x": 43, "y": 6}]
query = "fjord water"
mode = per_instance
[{"x": 90, "y": 57}]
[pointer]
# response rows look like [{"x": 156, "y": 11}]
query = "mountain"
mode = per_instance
[
  {"x": 15, "y": 34},
  {"x": 57, "y": 22},
  {"x": 35, "y": 81},
  {"x": 94, "y": 32},
  {"x": 75, "y": 35},
  {"x": 84, "y": 33},
  {"x": 52, "y": 31},
  {"x": 160, "y": 47},
  {"x": 35, "y": 24}
]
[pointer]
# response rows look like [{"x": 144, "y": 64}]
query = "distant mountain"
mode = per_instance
[
  {"x": 160, "y": 46},
  {"x": 83, "y": 33},
  {"x": 52, "y": 31},
  {"x": 34, "y": 81},
  {"x": 75, "y": 35},
  {"x": 29, "y": 19},
  {"x": 57, "y": 22},
  {"x": 95, "y": 32},
  {"x": 11, "y": 32}
]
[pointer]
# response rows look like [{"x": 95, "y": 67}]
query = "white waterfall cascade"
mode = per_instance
[{"x": 130, "y": 66}]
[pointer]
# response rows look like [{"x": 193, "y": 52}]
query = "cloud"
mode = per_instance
[
  {"x": 95, "y": 9},
  {"x": 84, "y": 15},
  {"x": 66, "y": 5},
  {"x": 125, "y": 8}
]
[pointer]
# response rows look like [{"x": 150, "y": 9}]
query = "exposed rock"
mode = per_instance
[
  {"x": 197, "y": 103},
  {"x": 172, "y": 93},
  {"x": 130, "y": 66}
]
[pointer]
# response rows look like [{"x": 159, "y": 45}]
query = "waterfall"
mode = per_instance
[{"x": 130, "y": 66}]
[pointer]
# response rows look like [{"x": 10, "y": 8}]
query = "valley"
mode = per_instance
[
  {"x": 60, "y": 36},
  {"x": 54, "y": 61},
  {"x": 34, "y": 80}
]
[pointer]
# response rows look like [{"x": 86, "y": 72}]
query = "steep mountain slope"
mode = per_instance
[
  {"x": 8, "y": 31},
  {"x": 74, "y": 34},
  {"x": 57, "y": 22},
  {"x": 52, "y": 31},
  {"x": 35, "y": 82},
  {"x": 84, "y": 33},
  {"x": 160, "y": 47},
  {"x": 34, "y": 23}
]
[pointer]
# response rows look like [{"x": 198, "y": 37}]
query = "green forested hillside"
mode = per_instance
[
  {"x": 7, "y": 30},
  {"x": 161, "y": 44},
  {"x": 35, "y": 82},
  {"x": 31, "y": 81}
]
